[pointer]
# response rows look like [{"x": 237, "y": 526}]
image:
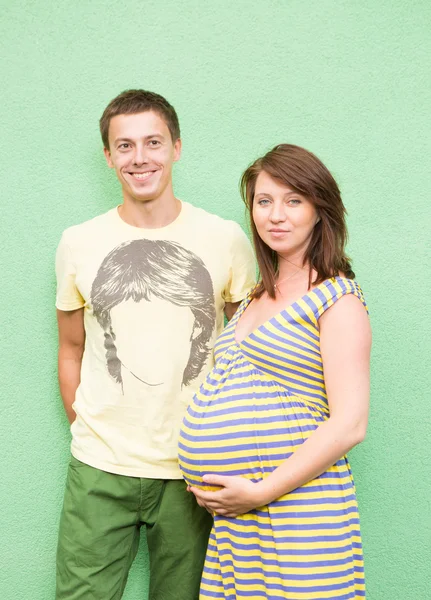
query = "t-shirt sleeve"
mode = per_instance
[
  {"x": 242, "y": 275},
  {"x": 68, "y": 296}
]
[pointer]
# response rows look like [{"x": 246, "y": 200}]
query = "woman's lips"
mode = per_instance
[{"x": 278, "y": 232}]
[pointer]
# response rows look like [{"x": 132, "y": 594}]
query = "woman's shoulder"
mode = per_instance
[{"x": 332, "y": 290}]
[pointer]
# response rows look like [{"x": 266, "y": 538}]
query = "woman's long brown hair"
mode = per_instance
[{"x": 307, "y": 175}]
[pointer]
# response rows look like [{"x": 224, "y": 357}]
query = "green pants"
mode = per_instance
[{"x": 99, "y": 535}]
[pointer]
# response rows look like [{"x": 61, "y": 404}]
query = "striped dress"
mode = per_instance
[{"x": 263, "y": 398}]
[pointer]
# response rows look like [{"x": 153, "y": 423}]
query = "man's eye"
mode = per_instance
[
  {"x": 154, "y": 143},
  {"x": 124, "y": 146}
]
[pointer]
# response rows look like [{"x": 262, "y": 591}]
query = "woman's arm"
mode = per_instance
[{"x": 345, "y": 337}]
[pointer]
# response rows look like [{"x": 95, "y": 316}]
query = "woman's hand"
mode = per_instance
[{"x": 237, "y": 495}]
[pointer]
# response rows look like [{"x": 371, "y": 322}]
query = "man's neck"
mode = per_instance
[{"x": 152, "y": 214}]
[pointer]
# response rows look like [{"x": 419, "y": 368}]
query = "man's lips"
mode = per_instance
[{"x": 142, "y": 175}]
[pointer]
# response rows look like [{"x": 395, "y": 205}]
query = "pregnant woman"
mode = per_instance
[{"x": 264, "y": 442}]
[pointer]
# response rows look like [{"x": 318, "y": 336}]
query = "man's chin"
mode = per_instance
[
  {"x": 142, "y": 197},
  {"x": 146, "y": 199}
]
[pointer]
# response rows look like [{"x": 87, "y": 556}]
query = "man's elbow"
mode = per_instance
[{"x": 71, "y": 351}]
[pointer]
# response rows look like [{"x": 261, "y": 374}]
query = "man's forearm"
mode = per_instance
[{"x": 69, "y": 377}]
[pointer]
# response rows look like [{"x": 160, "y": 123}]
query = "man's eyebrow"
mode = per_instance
[{"x": 147, "y": 137}]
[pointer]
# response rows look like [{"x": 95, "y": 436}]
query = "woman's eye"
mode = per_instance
[
  {"x": 294, "y": 201},
  {"x": 263, "y": 201}
]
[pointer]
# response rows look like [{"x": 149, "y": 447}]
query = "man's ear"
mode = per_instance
[
  {"x": 177, "y": 150},
  {"x": 107, "y": 154}
]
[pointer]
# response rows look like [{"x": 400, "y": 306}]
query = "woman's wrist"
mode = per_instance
[{"x": 265, "y": 492}]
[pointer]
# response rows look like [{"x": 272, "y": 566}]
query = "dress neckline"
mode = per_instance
[{"x": 248, "y": 299}]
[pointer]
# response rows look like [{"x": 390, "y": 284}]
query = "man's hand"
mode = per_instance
[{"x": 237, "y": 495}]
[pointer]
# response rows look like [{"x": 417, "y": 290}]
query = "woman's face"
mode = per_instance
[{"x": 284, "y": 219}]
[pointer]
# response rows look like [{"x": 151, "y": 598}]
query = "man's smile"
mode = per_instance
[{"x": 142, "y": 176}]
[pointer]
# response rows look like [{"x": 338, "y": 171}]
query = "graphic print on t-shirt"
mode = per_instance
[{"x": 154, "y": 300}]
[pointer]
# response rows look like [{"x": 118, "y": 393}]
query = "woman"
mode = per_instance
[{"x": 263, "y": 443}]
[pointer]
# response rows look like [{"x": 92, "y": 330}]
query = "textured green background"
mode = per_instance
[{"x": 348, "y": 80}]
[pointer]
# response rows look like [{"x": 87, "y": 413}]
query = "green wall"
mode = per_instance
[{"x": 347, "y": 80}]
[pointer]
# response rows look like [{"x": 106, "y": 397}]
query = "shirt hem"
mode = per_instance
[
  {"x": 238, "y": 298},
  {"x": 145, "y": 473},
  {"x": 68, "y": 307}
]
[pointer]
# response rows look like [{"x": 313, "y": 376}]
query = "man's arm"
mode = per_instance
[
  {"x": 242, "y": 273},
  {"x": 71, "y": 348},
  {"x": 230, "y": 309}
]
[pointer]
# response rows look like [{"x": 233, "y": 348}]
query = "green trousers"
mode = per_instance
[{"x": 99, "y": 535}]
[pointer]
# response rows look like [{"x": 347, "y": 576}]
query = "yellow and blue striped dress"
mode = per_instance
[{"x": 265, "y": 397}]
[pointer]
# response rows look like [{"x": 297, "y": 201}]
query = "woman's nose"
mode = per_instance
[{"x": 277, "y": 214}]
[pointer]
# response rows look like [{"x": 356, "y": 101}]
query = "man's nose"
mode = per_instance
[{"x": 139, "y": 156}]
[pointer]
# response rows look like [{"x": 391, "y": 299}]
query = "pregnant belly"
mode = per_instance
[
  {"x": 204, "y": 453},
  {"x": 250, "y": 443}
]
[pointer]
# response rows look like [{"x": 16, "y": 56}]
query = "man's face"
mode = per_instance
[{"x": 142, "y": 153}]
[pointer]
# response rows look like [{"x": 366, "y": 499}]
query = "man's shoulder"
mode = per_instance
[
  {"x": 88, "y": 229},
  {"x": 216, "y": 223}
]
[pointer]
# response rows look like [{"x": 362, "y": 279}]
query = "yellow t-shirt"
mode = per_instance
[{"x": 153, "y": 305}]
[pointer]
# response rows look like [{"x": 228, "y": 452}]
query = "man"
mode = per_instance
[{"x": 141, "y": 295}]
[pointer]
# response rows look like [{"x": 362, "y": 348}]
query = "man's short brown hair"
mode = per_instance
[{"x": 135, "y": 101}]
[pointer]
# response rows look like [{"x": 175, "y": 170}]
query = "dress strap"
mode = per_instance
[{"x": 331, "y": 290}]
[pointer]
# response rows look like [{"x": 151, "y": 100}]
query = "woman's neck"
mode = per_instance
[{"x": 292, "y": 264}]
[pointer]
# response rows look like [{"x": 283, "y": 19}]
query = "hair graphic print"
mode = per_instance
[{"x": 156, "y": 286}]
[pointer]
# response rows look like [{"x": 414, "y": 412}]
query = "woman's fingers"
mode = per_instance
[
  {"x": 210, "y": 503},
  {"x": 204, "y": 495},
  {"x": 205, "y": 506}
]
